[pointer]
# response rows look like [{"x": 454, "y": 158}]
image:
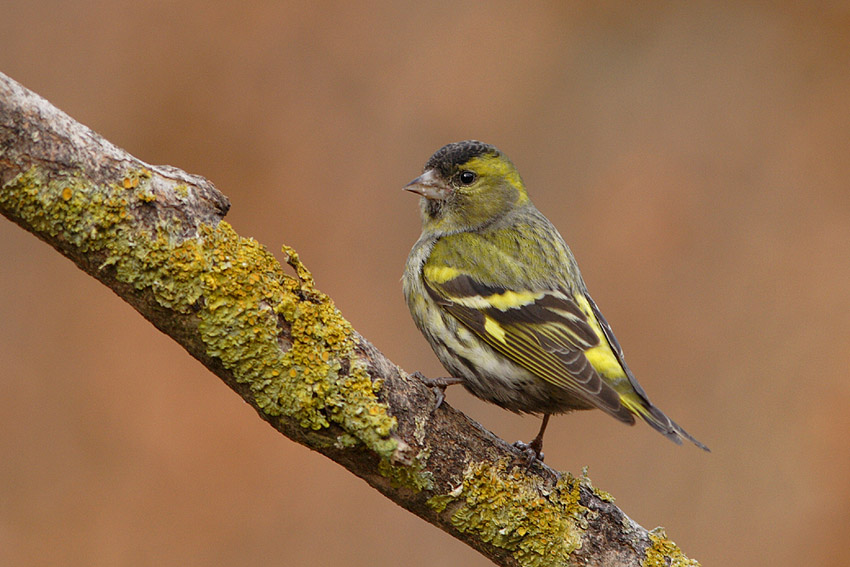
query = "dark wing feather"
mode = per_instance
[
  {"x": 544, "y": 332},
  {"x": 615, "y": 346}
]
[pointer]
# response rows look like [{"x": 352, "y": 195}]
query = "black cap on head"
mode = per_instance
[{"x": 457, "y": 153}]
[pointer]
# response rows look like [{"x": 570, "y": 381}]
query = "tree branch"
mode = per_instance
[{"x": 154, "y": 235}]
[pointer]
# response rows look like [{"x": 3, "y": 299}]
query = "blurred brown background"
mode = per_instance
[{"x": 695, "y": 155}]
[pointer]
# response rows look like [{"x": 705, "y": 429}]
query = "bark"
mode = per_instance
[{"x": 155, "y": 236}]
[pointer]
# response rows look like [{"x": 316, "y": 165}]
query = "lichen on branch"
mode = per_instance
[{"x": 243, "y": 299}]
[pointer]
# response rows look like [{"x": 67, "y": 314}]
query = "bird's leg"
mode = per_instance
[
  {"x": 438, "y": 386},
  {"x": 534, "y": 451}
]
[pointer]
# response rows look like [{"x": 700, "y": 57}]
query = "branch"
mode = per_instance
[{"x": 154, "y": 235}]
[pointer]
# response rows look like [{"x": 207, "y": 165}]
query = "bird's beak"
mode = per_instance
[{"x": 430, "y": 186}]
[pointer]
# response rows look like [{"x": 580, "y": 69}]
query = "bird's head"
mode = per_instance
[{"x": 466, "y": 185}]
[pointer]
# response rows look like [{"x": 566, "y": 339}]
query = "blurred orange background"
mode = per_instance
[{"x": 694, "y": 155}]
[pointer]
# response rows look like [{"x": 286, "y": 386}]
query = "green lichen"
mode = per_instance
[
  {"x": 67, "y": 208},
  {"x": 601, "y": 494},
  {"x": 405, "y": 476},
  {"x": 665, "y": 553},
  {"x": 507, "y": 508},
  {"x": 345, "y": 441},
  {"x": 235, "y": 287},
  {"x": 245, "y": 292}
]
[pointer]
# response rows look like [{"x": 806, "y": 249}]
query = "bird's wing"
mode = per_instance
[
  {"x": 551, "y": 333},
  {"x": 616, "y": 349}
]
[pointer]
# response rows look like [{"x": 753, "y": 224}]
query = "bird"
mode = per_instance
[{"x": 499, "y": 297}]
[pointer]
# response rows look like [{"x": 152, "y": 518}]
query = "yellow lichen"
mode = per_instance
[
  {"x": 236, "y": 289},
  {"x": 146, "y": 196},
  {"x": 413, "y": 477},
  {"x": 66, "y": 205},
  {"x": 601, "y": 494},
  {"x": 307, "y": 381},
  {"x": 508, "y": 509},
  {"x": 665, "y": 553}
]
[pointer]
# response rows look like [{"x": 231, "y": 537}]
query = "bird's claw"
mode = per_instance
[
  {"x": 440, "y": 395},
  {"x": 530, "y": 453},
  {"x": 438, "y": 386}
]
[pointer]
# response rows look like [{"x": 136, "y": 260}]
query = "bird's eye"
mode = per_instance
[{"x": 467, "y": 177}]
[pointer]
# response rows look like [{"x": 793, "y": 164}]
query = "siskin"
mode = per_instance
[{"x": 498, "y": 295}]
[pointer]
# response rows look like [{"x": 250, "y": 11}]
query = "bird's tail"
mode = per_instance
[{"x": 660, "y": 422}]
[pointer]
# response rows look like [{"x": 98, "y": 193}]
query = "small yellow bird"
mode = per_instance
[{"x": 499, "y": 297}]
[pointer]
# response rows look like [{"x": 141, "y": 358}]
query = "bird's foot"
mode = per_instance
[
  {"x": 531, "y": 452},
  {"x": 438, "y": 386}
]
